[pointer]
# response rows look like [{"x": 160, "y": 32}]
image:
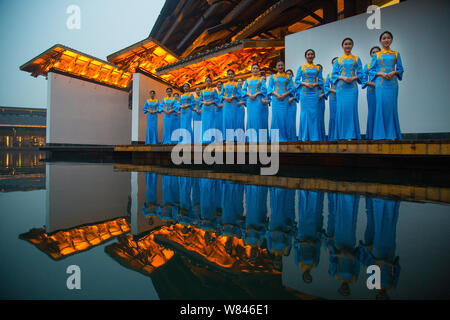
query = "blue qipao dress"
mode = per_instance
[
  {"x": 169, "y": 120},
  {"x": 281, "y": 83},
  {"x": 230, "y": 109},
  {"x": 187, "y": 99},
  {"x": 347, "y": 118},
  {"x": 151, "y": 105},
  {"x": 257, "y": 111},
  {"x": 371, "y": 103},
  {"x": 209, "y": 113},
  {"x": 332, "y": 135},
  {"x": 386, "y": 124},
  {"x": 309, "y": 127}
]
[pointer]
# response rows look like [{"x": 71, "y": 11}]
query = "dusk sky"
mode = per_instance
[{"x": 29, "y": 27}]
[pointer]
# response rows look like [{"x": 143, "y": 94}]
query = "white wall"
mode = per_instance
[
  {"x": 71, "y": 200},
  {"x": 141, "y": 87},
  {"x": 81, "y": 112},
  {"x": 420, "y": 30}
]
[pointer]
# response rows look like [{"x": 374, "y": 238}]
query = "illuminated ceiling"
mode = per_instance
[
  {"x": 238, "y": 56},
  {"x": 147, "y": 54},
  {"x": 79, "y": 64}
]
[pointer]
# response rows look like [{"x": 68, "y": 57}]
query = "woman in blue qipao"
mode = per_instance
[
  {"x": 255, "y": 93},
  {"x": 218, "y": 117},
  {"x": 230, "y": 96},
  {"x": 240, "y": 112},
  {"x": 309, "y": 81},
  {"x": 151, "y": 108},
  {"x": 322, "y": 98},
  {"x": 386, "y": 69},
  {"x": 210, "y": 100},
  {"x": 176, "y": 118},
  {"x": 279, "y": 90},
  {"x": 187, "y": 104},
  {"x": 291, "y": 119},
  {"x": 169, "y": 107},
  {"x": 330, "y": 92},
  {"x": 347, "y": 72},
  {"x": 371, "y": 100},
  {"x": 308, "y": 237},
  {"x": 197, "y": 117}
]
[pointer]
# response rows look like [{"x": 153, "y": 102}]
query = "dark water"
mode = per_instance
[{"x": 148, "y": 235}]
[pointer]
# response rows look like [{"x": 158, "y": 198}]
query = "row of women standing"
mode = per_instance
[
  {"x": 222, "y": 108},
  {"x": 218, "y": 206}
]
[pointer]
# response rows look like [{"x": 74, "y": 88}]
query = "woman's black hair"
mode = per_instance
[
  {"x": 169, "y": 88},
  {"x": 388, "y": 32},
  {"x": 255, "y": 64},
  {"x": 347, "y": 39},
  {"x": 310, "y": 50},
  {"x": 152, "y": 91},
  {"x": 332, "y": 60},
  {"x": 230, "y": 70},
  {"x": 290, "y": 71},
  {"x": 208, "y": 77},
  {"x": 375, "y": 47},
  {"x": 319, "y": 65}
]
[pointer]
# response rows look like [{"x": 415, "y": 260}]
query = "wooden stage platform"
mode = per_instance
[{"x": 361, "y": 153}]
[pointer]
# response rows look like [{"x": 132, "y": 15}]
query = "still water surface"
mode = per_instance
[{"x": 144, "y": 235}]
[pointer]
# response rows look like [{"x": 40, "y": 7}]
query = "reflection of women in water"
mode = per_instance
[
  {"x": 341, "y": 240},
  {"x": 281, "y": 222},
  {"x": 170, "y": 198},
  {"x": 232, "y": 209},
  {"x": 379, "y": 247},
  {"x": 210, "y": 204},
  {"x": 308, "y": 238},
  {"x": 185, "y": 210},
  {"x": 151, "y": 207},
  {"x": 256, "y": 215}
]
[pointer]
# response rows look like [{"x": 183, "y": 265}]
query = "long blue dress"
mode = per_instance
[
  {"x": 197, "y": 121},
  {"x": 230, "y": 109},
  {"x": 308, "y": 238},
  {"x": 152, "y": 121},
  {"x": 218, "y": 115},
  {"x": 292, "y": 116},
  {"x": 209, "y": 113},
  {"x": 256, "y": 215},
  {"x": 386, "y": 123},
  {"x": 332, "y": 135},
  {"x": 257, "y": 112},
  {"x": 210, "y": 202},
  {"x": 347, "y": 120},
  {"x": 169, "y": 120},
  {"x": 186, "y": 116},
  {"x": 309, "y": 127},
  {"x": 281, "y": 83},
  {"x": 322, "y": 113},
  {"x": 240, "y": 113},
  {"x": 281, "y": 222},
  {"x": 380, "y": 245},
  {"x": 185, "y": 184},
  {"x": 371, "y": 103}
]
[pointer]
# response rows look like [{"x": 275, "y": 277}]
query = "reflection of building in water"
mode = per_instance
[
  {"x": 63, "y": 243},
  {"x": 380, "y": 241},
  {"x": 22, "y": 127},
  {"x": 308, "y": 237},
  {"x": 341, "y": 239},
  {"x": 21, "y": 170}
]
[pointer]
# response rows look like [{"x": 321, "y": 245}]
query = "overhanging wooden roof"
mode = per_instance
[
  {"x": 147, "y": 55},
  {"x": 76, "y": 63},
  {"x": 239, "y": 56}
]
